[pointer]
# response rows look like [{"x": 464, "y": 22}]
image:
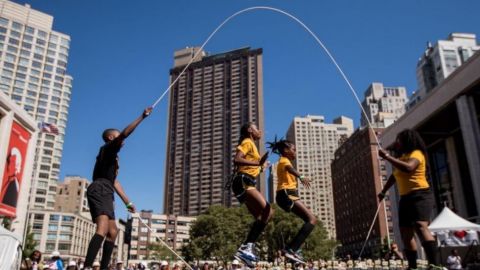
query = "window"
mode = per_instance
[
  {"x": 3, "y": 22},
  {"x": 63, "y": 246},
  {"x": 51, "y": 236},
  {"x": 9, "y": 58},
  {"x": 65, "y": 42},
  {"x": 52, "y": 227},
  {"x": 55, "y": 217},
  {"x": 36, "y": 64},
  {"x": 12, "y": 49},
  {"x": 65, "y": 237},
  {"x": 26, "y": 45},
  {"x": 17, "y": 26},
  {"x": 66, "y": 228},
  {"x": 67, "y": 218},
  {"x": 15, "y": 34},
  {"x": 13, "y": 41},
  {"x": 42, "y": 34}
]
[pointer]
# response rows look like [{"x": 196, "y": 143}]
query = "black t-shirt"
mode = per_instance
[{"x": 106, "y": 166}]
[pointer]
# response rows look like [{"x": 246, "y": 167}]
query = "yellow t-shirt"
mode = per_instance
[
  {"x": 286, "y": 180},
  {"x": 250, "y": 150},
  {"x": 408, "y": 182}
]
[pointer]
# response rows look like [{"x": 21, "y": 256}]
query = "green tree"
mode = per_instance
[
  {"x": 30, "y": 244},
  {"x": 217, "y": 234},
  {"x": 283, "y": 228},
  {"x": 157, "y": 251}
]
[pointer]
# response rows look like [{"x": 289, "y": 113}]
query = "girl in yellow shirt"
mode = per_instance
[
  {"x": 249, "y": 165},
  {"x": 287, "y": 196},
  {"x": 416, "y": 199}
]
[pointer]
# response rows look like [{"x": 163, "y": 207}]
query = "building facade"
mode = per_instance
[
  {"x": 172, "y": 230},
  {"x": 358, "y": 175},
  {"x": 72, "y": 195},
  {"x": 316, "y": 142},
  {"x": 33, "y": 66},
  {"x": 67, "y": 233},
  {"x": 208, "y": 105},
  {"x": 440, "y": 60},
  {"x": 383, "y": 105}
]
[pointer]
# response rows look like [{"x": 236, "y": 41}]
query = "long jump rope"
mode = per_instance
[{"x": 320, "y": 43}]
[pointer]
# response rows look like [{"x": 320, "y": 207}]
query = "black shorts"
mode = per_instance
[
  {"x": 100, "y": 199},
  {"x": 286, "y": 198},
  {"x": 241, "y": 183},
  {"x": 415, "y": 206}
]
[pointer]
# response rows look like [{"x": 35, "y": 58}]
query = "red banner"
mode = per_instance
[{"x": 12, "y": 177}]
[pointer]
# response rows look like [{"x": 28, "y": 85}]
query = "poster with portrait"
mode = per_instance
[{"x": 13, "y": 172}]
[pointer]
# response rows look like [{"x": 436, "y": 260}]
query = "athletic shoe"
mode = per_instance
[
  {"x": 292, "y": 255},
  {"x": 247, "y": 251},
  {"x": 246, "y": 261}
]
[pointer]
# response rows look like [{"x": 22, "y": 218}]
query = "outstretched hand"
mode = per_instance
[{"x": 147, "y": 112}]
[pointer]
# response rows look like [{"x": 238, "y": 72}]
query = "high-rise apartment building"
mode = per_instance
[
  {"x": 72, "y": 195},
  {"x": 358, "y": 176},
  {"x": 208, "y": 105},
  {"x": 440, "y": 60},
  {"x": 171, "y": 229},
  {"x": 33, "y": 73},
  {"x": 383, "y": 105},
  {"x": 316, "y": 142}
]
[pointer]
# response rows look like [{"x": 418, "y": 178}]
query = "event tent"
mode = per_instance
[{"x": 447, "y": 220}]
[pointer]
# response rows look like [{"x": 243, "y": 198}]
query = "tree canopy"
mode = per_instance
[{"x": 218, "y": 233}]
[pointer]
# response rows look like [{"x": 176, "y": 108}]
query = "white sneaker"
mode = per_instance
[{"x": 246, "y": 251}]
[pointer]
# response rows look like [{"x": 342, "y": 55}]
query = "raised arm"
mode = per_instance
[{"x": 130, "y": 128}]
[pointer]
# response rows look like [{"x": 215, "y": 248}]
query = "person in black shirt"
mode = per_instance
[{"x": 100, "y": 193}]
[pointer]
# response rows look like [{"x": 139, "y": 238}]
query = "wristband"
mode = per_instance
[
  {"x": 301, "y": 177},
  {"x": 128, "y": 205}
]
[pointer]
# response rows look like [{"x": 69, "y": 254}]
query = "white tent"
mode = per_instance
[
  {"x": 449, "y": 221},
  {"x": 10, "y": 250}
]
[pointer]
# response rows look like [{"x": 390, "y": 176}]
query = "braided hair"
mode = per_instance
[{"x": 279, "y": 146}]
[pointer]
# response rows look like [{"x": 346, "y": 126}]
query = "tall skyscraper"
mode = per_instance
[
  {"x": 383, "y": 105},
  {"x": 33, "y": 73},
  {"x": 358, "y": 177},
  {"x": 316, "y": 142},
  {"x": 208, "y": 105},
  {"x": 440, "y": 60}
]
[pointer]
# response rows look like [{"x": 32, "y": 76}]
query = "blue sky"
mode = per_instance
[{"x": 121, "y": 53}]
